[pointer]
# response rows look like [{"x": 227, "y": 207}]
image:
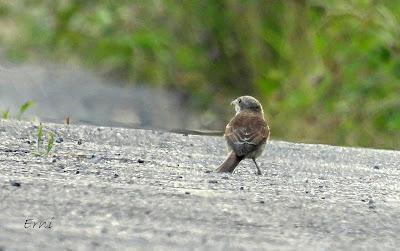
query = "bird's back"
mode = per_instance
[{"x": 247, "y": 133}]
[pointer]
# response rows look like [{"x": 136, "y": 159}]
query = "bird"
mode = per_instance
[{"x": 246, "y": 134}]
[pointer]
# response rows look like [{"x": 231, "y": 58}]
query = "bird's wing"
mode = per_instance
[{"x": 245, "y": 132}]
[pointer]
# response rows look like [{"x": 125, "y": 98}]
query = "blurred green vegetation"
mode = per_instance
[{"x": 326, "y": 71}]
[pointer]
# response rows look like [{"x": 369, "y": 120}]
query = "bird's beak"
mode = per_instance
[{"x": 233, "y": 102}]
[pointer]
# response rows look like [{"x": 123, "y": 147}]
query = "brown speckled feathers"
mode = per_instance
[{"x": 245, "y": 132}]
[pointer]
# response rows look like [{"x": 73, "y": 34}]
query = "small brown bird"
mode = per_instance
[{"x": 246, "y": 134}]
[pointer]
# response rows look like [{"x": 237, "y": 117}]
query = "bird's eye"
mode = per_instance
[{"x": 239, "y": 101}]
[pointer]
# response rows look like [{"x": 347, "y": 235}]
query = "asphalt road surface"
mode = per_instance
[
  {"x": 61, "y": 91},
  {"x": 128, "y": 189}
]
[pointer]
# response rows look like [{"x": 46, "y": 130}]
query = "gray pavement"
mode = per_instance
[
  {"x": 59, "y": 91},
  {"x": 130, "y": 189}
]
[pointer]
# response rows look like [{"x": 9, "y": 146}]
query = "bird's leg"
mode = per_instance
[{"x": 258, "y": 169}]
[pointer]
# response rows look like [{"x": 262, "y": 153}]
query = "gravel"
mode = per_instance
[{"x": 310, "y": 197}]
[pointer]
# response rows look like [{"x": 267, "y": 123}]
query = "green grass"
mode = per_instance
[
  {"x": 21, "y": 111},
  {"x": 39, "y": 138},
  {"x": 42, "y": 148},
  {"x": 5, "y": 114},
  {"x": 25, "y": 107}
]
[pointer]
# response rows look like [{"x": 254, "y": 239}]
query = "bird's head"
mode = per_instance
[{"x": 248, "y": 104}]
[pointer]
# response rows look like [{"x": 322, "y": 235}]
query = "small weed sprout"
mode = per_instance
[
  {"x": 50, "y": 142},
  {"x": 24, "y": 107},
  {"x": 5, "y": 114},
  {"x": 40, "y": 140},
  {"x": 39, "y": 136}
]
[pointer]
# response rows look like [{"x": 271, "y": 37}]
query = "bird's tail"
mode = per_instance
[{"x": 230, "y": 163}]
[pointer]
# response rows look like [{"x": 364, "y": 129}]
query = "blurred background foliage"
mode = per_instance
[{"x": 326, "y": 71}]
